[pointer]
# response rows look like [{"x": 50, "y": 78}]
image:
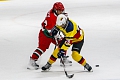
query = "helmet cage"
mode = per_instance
[{"x": 62, "y": 21}]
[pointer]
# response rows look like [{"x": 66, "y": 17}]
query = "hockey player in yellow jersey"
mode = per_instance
[{"x": 73, "y": 35}]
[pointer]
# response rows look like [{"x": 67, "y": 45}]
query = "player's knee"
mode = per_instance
[{"x": 76, "y": 56}]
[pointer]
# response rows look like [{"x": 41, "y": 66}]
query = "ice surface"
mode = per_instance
[{"x": 20, "y": 24}]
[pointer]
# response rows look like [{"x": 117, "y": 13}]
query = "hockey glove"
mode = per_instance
[
  {"x": 61, "y": 53},
  {"x": 54, "y": 31}
]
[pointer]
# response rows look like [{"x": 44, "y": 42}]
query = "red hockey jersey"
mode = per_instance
[{"x": 49, "y": 21}]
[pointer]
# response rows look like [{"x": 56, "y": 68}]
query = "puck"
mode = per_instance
[{"x": 97, "y": 65}]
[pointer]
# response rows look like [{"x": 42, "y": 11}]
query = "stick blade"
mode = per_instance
[{"x": 70, "y": 76}]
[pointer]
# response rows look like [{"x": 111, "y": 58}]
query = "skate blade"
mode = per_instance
[
  {"x": 47, "y": 70},
  {"x": 32, "y": 68}
]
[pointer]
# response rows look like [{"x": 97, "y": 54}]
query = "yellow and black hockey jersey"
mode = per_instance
[{"x": 73, "y": 33}]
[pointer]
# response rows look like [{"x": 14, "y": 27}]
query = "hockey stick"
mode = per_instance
[
  {"x": 56, "y": 43},
  {"x": 69, "y": 76}
]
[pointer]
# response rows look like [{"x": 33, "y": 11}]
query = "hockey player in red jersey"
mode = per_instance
[
  {"x": 45, "y": 38},
  {"x": 73, "y": 36}
]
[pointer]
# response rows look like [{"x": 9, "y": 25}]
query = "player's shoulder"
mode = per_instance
[
  {"x": 51, "y": 14},
  {"x": 71, "y": 21}
]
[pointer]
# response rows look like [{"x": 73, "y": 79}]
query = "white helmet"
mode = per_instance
[{"x": 61, "y": 20}]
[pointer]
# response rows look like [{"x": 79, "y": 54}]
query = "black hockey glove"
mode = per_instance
[
  {"x": 54, "y": 31},
  {"x": 61, "y": 53}
]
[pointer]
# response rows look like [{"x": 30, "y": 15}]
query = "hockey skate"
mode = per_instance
[
  {"x": 46, "y": 67},
  {"x": 66, "y": 61},
  {"x": 88, "y": 67},
  {"x": 32, "y": 64}
]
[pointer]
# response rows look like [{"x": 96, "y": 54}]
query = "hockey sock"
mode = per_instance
[
  {"x": 54, "y": 56},
  {"x": 38, "y": 52},
  {"x": 78, "y": 58}
]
